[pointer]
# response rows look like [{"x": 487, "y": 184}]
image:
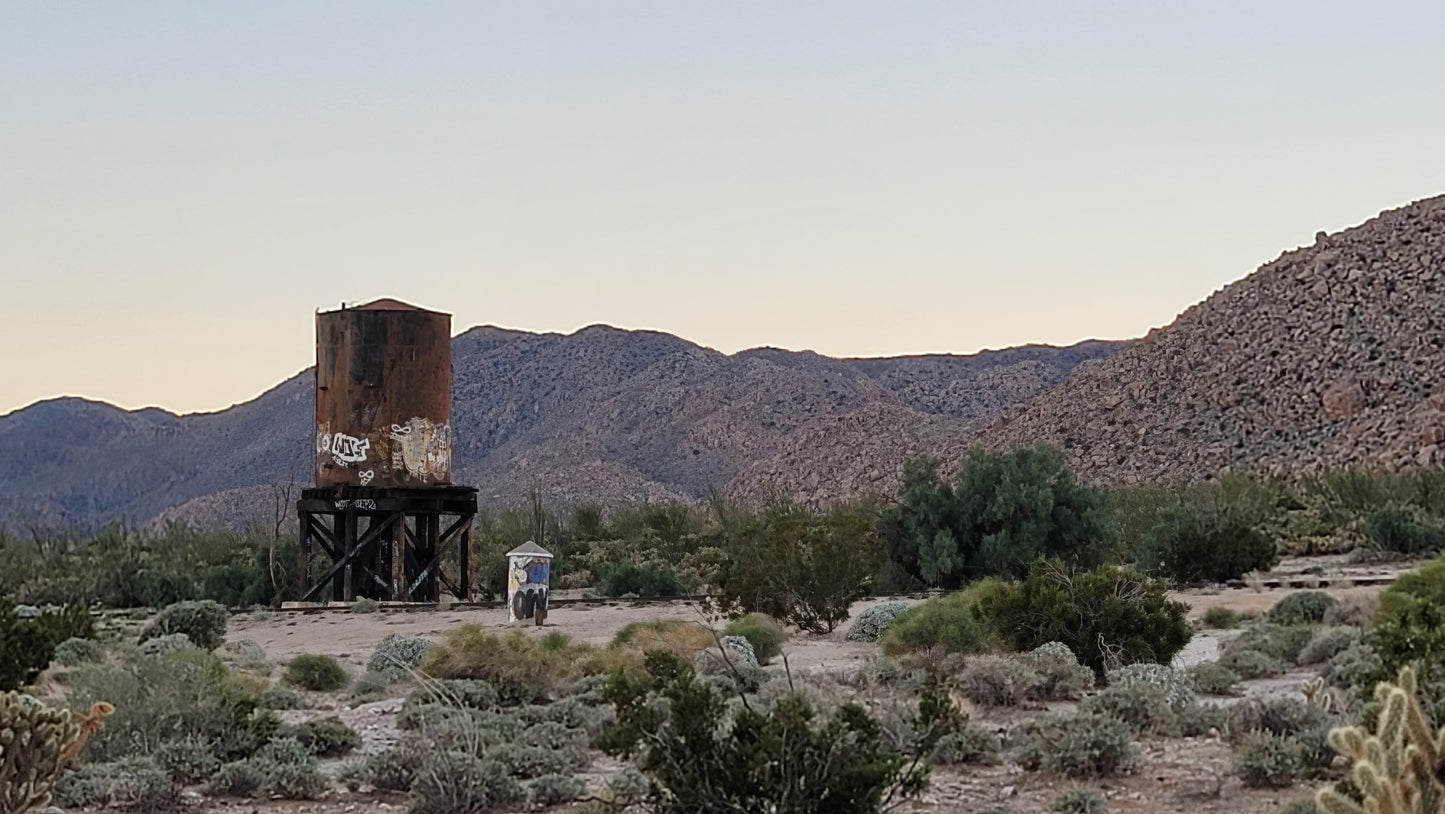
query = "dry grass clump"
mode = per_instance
[{"x": 471, "y": 652}]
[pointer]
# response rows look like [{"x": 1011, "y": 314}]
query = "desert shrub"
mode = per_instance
[
  {"x": 235, "y": 585},
  {"x": 396, "y": 767},
  {"x": 239, "y": 778},
  {"x": 326, "y": 737},
  {"x": 997, "y": 680},
  {"x": 513, "y": 658},
  {"x": 1175, "y": 685},
  {"x": 281, "y": 697},
  {"x": 1354, "y": 667},
  {"x": 992, "y": 809},
  {"x": 365, "y": 605},
  {"x": 555, "y": 789},
  {"x": 1109, "y": 617},
  {"x": 283, "y": 768},
  {"x": 1282, "y": 642},
  {"x": 317, "y": 672},
  {"x": 190, "y": 759},
  {"x": 1351, "y": 611},
  {"x": 396, "y": 656},
  {"x": 1187, "y": 546},
  {"x": 245, "y": 652},
  {"x": 1301, "y": 608},
  {"x": 764, "y": 634},
  {"x": 470, "y": 693},
  {"x": 803, "y": 567},
  {"x": 456, "y": 781},
  {"x": 1221, "y": 618},
  {"x": 1005, "y": 510},
  {"x": 134, "y": 783},
  {"x": 1061, "y": 676},
  {"x": 669, "y": 721},
  {"x": 872, "y": 623},
  {"x": 169, "y": 643},
  {"x": 203, "y": 622},
  {"x": 970, "y": 743},
  {"x": 1285, "y": 717},
  {"x": 1080, "y": 801},
  {"x": 1213, "y": 678},
  {"x": 169, "y": 697},
  {"x": 1142, "y": 707},
  {"x": 73, "y": 652},
  {"x": 1410, "y": 625},
  {"x": 1396, "y": 529},
  {"x": 1267, "y": 761},
  {"x": 27, "y": 644},
  {"x": 950, "y": 623},
  {"x": 525, "y": 761},
  {"x": 1300, "y": 805},
  {"x": 739, "y": 649},
  {"x": 1080, "y": 745},
  {"x": 1327, "y": 643},
  {"x": 369, "y": 687},
  {"x": 647, "y": 579},
  {"x": 1251, "y": 664},
  {"x": 1197, "y": 719}
]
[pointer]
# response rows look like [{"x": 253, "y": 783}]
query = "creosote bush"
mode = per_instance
[
  {"x": 1109, "y": 617},
  {"x": 1221, "y": 618},
  {"x": 316, "y": 672},
  {"x": 786, "y": 758},
  {"x": 1080, "y": 745},
  {"x": 27, "y": 644},
  {"x": 950, "y": 623},
  {"x": 134, "y": 783},
  {"x": 1301, "y": 608},
  {"x": 1268, "y": 761},
  {"x": 1142, "y": 707},
  {"x": 1213, "y": 678},
  {"x": 1187, "y": 546},
  {"x": 396, "y": 656},
  {"x": 203, "y": 622},
  {"x": 1251, "y": 664},
  {"x": 1080, "y": 801},
  {"x": 325, "y": 737}
]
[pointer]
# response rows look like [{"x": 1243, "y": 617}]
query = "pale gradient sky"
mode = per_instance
[{"x": 182, "y": 184}]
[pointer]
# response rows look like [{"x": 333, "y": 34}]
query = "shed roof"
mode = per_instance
[{"x": 529, "y": 549}]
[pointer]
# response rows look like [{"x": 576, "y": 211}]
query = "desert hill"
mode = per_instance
[
  {"x": 601, "y": 415},
  {"x": 1330, "y": 355}
]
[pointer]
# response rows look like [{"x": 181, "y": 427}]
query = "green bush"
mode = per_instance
[
  {"x": 203, "y": 622},
  {"x": 950, "y": 623},
  {"x": 73, "y": 652},
  {"x": 172, "y": 696},
  {"x": 191, "y": 759},
  {"x": 1213, "y": 678},
  {"x": 1301, "y": 608},
  {"x": 996, "y": 681},
  {"x": 1109, "y": 616},
  {"x": 28, "y": 643},
  {"x": 834, "y": 762},
  {"x": 1268, "y": 761},
  {"x": 281, "y": 697},
  {"x": 1282, "y": 642},
  {"x": 1410, "y": 627},
  {"x": 971, "y": 743},
  {"x": 316, "y": 672},
  {"x": 872, "y": 623},
  {"x": 1251, "y": 664},
  {"x": 764, "y": 634},
  {"x": 1080, "y": 745},
  {"x": 1188, "y": 547},
  {"x": 1142, "y": 707},
  {"x": 1005, "y": 510},
  {"x": 647, "y": 580},
  {"x": 1080, "y": 801},
  {"x": 1395, "y": 529},
  {"x": 284, "y": 769},
  {"x": 800, "y": 566},
  {"x": 237, "y": 585},
  {"x": 555, "y": 789},
  {"x": 134, "y": 783},
  {"x": 1327, "y": 643},
  {"x": 1221, "y": 618},
  {"x": 1355, "y": 668},
  {"x": 1061, "y": 676},
  {"x": 326, "y": 737},
  {"x": 1178, "y": 692}
]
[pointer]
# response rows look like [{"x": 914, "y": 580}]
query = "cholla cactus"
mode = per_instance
[
  {"x": 1399, "y": 768},
  {"x": 35, "y": 743},
  {"x": 1315, "y": 692}
]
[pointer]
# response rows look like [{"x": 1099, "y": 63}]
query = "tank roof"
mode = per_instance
[{"x": 387, "y": 304}]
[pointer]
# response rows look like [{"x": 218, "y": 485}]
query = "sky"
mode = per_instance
[{"x": 182, "y": 185}]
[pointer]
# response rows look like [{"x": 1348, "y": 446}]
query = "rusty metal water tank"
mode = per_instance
[{"x": 383, "y": 396}]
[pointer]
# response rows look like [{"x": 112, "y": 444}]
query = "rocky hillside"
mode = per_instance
[
  {"x": 599, "y": 415},
  {"x": 1330, "y": 355}
]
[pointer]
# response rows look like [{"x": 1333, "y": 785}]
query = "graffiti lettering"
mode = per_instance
[
  {"x": 366, "y": 476},
  {"x": 422, "y": 448},
  {"x": 356, "y": 504},
  {"x": 347, "y": 449}
]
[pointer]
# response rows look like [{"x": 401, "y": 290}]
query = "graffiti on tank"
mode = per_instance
[
  {"x": 422, "y": 448},
  {"x": 348, "y": 449},
  {"x": 356, "y": 504},
  {"x": 527, "y": 586},
  {"x": 366, "y": 476}
]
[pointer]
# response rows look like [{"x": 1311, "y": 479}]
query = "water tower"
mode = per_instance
[{"x": 384, "y": 520}]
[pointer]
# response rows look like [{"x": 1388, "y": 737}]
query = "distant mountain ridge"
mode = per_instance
[{"x": 602, "y": 414}]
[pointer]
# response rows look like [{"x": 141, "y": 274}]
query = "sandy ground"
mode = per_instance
[{"x": 1175, "y": 775}]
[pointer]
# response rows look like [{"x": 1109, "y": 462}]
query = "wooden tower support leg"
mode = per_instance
[
  {"x": 398, "y": 560},
  {"x": 464, "y": 557}
]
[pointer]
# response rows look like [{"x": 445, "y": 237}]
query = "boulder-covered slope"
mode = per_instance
[{"x": 1331, "y": 355}]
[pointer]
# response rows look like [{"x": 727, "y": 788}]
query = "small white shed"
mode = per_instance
[{"x": 529, "y": 568}]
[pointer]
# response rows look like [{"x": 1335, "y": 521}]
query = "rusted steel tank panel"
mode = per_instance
[{"x": 383, "y": 396}]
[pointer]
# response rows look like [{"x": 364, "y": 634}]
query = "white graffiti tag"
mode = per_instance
[
  {"x": 365, "y": 476},
  {"x": 347, "y": 449}
]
